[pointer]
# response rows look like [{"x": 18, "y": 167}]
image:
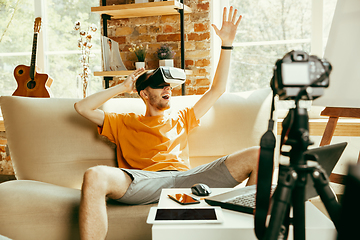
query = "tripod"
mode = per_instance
[{"x": 290, "y": 191}]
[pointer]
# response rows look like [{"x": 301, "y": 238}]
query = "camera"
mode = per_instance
[{"x": 300, "y": 76}]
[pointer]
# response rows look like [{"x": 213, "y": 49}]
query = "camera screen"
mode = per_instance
[{"x": 295, "y": 74}]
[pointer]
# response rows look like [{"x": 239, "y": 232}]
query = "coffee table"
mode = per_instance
[{"x": 236, "y": 225}]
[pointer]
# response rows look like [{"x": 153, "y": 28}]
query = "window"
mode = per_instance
[
  {"x": 271, "y": 28},
  {"x": 15, "y": 40},
  {"x": 57, "y": 51}
]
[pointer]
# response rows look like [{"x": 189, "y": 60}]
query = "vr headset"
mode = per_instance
[{"x": 163, "y": 76}]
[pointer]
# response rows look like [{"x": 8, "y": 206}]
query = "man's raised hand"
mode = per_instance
[
  {"x": 130, "y": 81},
  {"x": 228, "y": 30}
]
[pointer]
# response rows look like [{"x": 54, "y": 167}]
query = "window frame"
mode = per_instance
[
  {"x": 317, "y": 26},
  {"x": 45, "y": 54}
]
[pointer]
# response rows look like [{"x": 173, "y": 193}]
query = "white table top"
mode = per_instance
[
  {"x": 237, "y": 223},
  {"x": 232, "y": 218}
]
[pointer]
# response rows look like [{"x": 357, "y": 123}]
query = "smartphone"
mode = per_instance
[{"x": 183, "y": 199}]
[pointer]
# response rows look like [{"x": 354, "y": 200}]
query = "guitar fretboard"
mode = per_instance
[{"x": 33, "y": 57}]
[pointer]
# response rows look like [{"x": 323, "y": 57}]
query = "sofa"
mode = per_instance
[{"x": 51, "y": 146}]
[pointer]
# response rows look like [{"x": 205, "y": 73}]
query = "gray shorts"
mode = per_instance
[{"x": 146, "y": 186}]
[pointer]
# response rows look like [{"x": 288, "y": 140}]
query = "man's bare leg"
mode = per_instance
[
  {"x": 244, "y": 164},
  {"x": 99, "y": 182}
]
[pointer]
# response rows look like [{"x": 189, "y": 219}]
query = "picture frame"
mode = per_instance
[{"x": 111, "y": 55}]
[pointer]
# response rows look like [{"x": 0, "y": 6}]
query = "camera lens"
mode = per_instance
[{"x": 299, "y": 57}]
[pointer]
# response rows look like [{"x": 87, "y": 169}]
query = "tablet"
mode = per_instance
[{"x": 184, "y": 215}]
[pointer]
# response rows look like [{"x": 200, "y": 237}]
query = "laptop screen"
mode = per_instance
[{"x": 327, "y": 157}]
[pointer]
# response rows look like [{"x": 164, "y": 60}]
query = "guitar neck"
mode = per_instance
[{"x": 33, "y": 57}]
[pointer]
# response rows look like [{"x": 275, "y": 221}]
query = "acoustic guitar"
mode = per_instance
[{"x": 30, "y": 83}]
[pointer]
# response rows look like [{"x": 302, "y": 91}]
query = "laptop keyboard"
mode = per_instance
[{"x": 245, "y": 200}]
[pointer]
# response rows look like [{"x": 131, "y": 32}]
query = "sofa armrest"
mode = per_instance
[{"x": 29, "y": 209}]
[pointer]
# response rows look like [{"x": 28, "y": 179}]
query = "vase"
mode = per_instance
[
  {"x": 166, "y": 62},
  {"x": 139, "y": 65},
  {"x": 82, "y": 86}
]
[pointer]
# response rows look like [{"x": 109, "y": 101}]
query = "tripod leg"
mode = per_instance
[
  {"x": 298, "y": 200},
  {"x": 281, "y": 200},
  {"x": 285, "y": 226},
  {"x": 321, "y": 183}
]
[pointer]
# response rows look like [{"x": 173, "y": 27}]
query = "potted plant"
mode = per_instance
[
  {"x": 165, "y": 55},
  {"x": 140, "y": 53}
]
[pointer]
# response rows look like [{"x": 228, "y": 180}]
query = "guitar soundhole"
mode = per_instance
[
  {"x": 21, "y": 71},
  {"x": 31, "y": 84}
]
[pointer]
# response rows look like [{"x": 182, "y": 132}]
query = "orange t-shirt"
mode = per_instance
[{"x": 151, "y": 143}]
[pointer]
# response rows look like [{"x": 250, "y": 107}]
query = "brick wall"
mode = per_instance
[
  {"x": 157, "y": 30},
  {"x": 5, "y": 161}
]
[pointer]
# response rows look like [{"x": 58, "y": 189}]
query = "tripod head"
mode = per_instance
[{"x": 295, "y": 132}]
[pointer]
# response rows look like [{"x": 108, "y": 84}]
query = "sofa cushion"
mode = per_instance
[{"x": 237, "y": 121}]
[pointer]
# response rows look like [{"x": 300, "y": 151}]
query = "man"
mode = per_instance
[{"x": 156, "y": 143}]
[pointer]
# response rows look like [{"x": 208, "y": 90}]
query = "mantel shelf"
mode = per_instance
[
  {"x": 141, "y": 9},
  {"x": 123, "y": 73}
]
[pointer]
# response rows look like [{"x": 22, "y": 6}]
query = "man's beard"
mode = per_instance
[{"x": 157, "y": 102}]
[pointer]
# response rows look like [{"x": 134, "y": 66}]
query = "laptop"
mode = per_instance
[{"x": 243, "y": 199}]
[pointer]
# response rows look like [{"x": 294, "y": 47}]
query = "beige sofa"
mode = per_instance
[{"x": 51, "y": 146}]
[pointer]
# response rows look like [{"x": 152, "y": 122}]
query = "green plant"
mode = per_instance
[
  {"x": 165, "y": 52},
  {"x": 140, "y": 51}
]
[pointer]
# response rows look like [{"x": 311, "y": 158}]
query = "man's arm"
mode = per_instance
[
  {"x": 227, "y": 35},
  {"x": 88, "y": 107}
]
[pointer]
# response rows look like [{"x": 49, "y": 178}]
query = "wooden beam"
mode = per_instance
[
  {"x": 125, "y": 73},
  {"x": 343, "y": 128},
  {"x": 337, "y": 178},
  {"x": 141, "y": 9},
  {"x": 341, "y": 112},
  {"x": 329, "y": 131},
  {"x": 113, "y": 73}
]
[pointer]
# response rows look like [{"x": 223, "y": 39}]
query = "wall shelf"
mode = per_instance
[
  {"x": 141, "y": 9},
  {"x": 124, "y": 73}
]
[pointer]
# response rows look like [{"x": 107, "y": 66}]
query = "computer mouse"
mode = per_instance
[{"x": 200, "y": 189}]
